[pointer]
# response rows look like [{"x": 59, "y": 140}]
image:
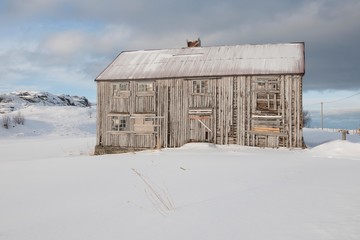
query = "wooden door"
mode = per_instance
[{"x": 200, "y": 129}]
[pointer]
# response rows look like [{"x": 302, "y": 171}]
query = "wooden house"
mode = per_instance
[{"x": 248, "y": 95}]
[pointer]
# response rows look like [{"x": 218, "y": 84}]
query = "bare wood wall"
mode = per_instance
[{"x": 264, "y": 111}]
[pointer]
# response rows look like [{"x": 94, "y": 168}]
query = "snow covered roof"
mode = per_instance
[{"x": 262, "y": 59}]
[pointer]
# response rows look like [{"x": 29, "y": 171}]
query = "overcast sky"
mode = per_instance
[{"x": 62, "y": 45}]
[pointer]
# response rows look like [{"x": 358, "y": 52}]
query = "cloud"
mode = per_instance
[
  {"x": 331, "y": 33},
  {"x": 81, "y": 37},
  {"x": 65, "y": 43},
  {"x": 80, "y": 42},
  {"x": 112, "y": 38},
  {"x": 17, "y": 10},
  {"x": 69, "y": 59}
]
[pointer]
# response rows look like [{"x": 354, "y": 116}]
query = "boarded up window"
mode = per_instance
[
  {"x": 145, "y": 97},
  {"x": 120, "y": 97},
  {"x": 143, "y": 124}
]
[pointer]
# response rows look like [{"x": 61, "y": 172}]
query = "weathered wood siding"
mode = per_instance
[{"x": 264, "y": 111}]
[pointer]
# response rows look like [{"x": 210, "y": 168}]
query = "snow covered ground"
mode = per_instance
[{"x": 53, "y": 188}]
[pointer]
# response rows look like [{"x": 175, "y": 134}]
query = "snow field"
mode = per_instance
[{"x": 53, "y": 188}]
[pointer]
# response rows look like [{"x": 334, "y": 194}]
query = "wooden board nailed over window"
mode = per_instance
[{"x": 143, "y": 124}]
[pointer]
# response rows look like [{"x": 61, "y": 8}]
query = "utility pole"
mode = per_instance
[{"x": 322, "y": 116}]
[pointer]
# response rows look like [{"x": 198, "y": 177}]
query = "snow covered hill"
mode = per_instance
[
  {"x": 46, "y": 114},
  {"x": 52, "y": 187},
  {"x": 17, "y": 100}
]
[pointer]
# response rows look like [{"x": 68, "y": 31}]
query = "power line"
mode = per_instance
[
  {"x": 322, "y": 106},
  {"x": 341, "y": 99},
  {"x": 337, "y": 100}
]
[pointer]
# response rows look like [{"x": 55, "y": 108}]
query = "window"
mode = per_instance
[
  {"x": 200, "y": 86},
  {"x": 118, "y": 88},
  {"x": 267, "y": 84},
  {"x": 267, "y": 95},
  {"x": 119, "y": 123},
  {"x": 124, "y": 86},
  {"x": 261, "y": 86},
  {"x": 145, "y": 87}
]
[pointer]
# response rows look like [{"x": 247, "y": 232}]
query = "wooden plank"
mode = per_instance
[
  {"x": 266, "y": 129},
  {"x": 142, "y": 128},
  {"x": 253, "y": 133}
]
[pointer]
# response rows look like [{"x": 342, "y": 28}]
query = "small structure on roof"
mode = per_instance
[
  {"x": 249, "y": 95},
  {"x": 194, "y": 43}
]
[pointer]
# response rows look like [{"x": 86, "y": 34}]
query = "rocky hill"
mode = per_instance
[{"x": 16, "y": 100}]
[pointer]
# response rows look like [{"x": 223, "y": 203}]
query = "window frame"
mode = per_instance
[
  {"x": 118, "y": 90},
  {"x": 145, "y": 87},
  {"x": 267, "y": 94},
  {"x": 123, "y": 124},
  {"x": 200, "y": 86}
]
